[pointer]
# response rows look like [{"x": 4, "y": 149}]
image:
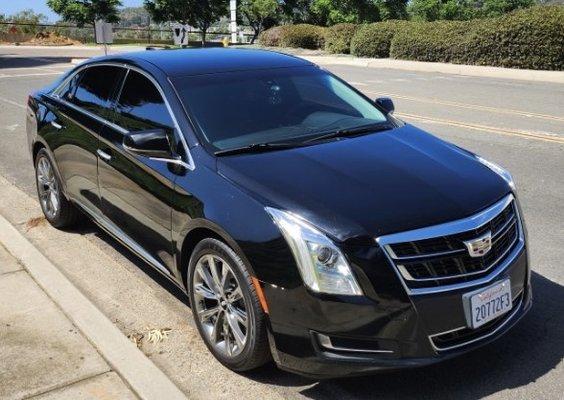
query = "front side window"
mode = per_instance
[
  {"x": 140, "y": 105},
  {"x": 238, "y": 109},
  {"x": 95, "y": 88},
  {"x": 68, "y": 90}
]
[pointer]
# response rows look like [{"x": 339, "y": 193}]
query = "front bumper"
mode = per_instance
[{"x": 385, "y": 330}]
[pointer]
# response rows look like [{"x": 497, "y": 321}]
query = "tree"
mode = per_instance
[
  {"x": 392, "y": 9},
  {"x": 28, "y": 16},
  {"x": 495, "y": 8},
  {"x": 257, "y": 14},
  {"x": 297, "y": 11},
  {"x": 433, "y": 10},
  {"x": 198, "y": 13},
  {"x": 83, "y": 12},
  {"x": 330, "y": 12}
]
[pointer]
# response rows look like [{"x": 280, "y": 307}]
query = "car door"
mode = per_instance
[
  {"x": 136, "y": 191},
  {"x": 79, "y": 118}
]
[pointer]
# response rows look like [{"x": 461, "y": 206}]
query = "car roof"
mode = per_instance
[{"x": 183, "y": 62}]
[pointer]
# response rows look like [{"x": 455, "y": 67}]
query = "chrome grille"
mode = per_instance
[{"x": 437, "y": 256}]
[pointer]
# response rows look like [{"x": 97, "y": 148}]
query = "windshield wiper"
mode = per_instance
[
  {"x": 256, "y": 148},
  {"x": 351, "y": 131}
]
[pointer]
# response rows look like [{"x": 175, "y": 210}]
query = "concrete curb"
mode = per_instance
[
  {"x": 143, "y": 377},
  {"x": 453, "y": 69}
]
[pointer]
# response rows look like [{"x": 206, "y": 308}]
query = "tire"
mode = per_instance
[
  {"x": 255, "y": 351},
  {"x": 60, "y": 212}
]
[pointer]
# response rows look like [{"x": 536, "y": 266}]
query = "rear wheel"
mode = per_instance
[
  {"x": 56, "y": 208},
  {"x": 226, "y": 307}
]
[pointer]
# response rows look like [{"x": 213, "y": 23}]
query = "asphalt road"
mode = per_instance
[{"x": 517, "y": 124}]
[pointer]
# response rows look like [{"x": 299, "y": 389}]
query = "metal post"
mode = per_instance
[{"x": 233, "y": 24}]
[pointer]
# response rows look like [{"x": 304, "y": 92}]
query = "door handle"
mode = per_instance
[
  {"x": 56, "y": 125},
  {"x": 103, "y": 155}
]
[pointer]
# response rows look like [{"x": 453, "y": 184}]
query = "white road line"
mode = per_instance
[
  {"x": 4, "y": 76},
  {"x": 12, "y": 103},
  {"x": 490, "y": 129},
  {"x": 469, "y": 106}
]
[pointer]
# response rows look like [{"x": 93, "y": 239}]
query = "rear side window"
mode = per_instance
[
  {"x": 95, "y": 88},
  {"x": 141, "y": 106}
]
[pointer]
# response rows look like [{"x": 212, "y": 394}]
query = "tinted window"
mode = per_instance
[
  {"x": 141, "y": 106},
  {"x": 68, "y": 90},
  {"x": 278, "y": 105},
  {"x": 95, "y": 88}
]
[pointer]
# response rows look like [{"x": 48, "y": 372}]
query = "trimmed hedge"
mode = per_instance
[
  {"x": 429, "y": 41},
  {"x": 303, "y": 36},
  {"x": 338, "y": 38},
  {"x": 531, "y": 38},
  {"x": 298, "y": 36},
  {"x": 374, "y": 40},
  {"x": 271, "y": 37},
  {"x": 528, "y": 38}
]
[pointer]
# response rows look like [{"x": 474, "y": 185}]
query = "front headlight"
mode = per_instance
[
  {"x": 322, "y": 265},
  {"x": 505, "y": 174}
]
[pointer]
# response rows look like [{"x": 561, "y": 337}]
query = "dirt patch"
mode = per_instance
[
  {"x": 38, "y": 39},
  {"x": 34, "y": 223},
  {"x": 52, "y": 39}
]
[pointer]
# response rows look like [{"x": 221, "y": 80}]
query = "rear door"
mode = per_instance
[
  {"x": 136, "y": 192},
  {"x": 80, "y": 118}
]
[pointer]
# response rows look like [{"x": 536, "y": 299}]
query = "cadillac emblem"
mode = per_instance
[{"x": 480, "y": 246}]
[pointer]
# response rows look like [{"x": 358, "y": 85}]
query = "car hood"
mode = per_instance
[{"x": 358, "y": 188}]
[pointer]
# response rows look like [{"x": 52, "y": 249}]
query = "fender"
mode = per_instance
[{"x": 197, "y": 223}]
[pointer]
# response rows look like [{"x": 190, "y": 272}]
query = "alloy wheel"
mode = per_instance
[
  {"x": 220, "y": 305},
  {"x": 48, "y": 188}
]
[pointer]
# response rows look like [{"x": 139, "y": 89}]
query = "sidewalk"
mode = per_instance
[{"x": 41, "y": 352}]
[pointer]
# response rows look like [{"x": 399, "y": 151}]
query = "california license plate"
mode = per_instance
[{"x": 484, "y": 305}]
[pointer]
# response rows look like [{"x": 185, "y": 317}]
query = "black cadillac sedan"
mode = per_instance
[{"x": 306, "y": 223}]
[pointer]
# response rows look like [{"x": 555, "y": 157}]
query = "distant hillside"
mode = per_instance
[{"x": 133, "y": 17}]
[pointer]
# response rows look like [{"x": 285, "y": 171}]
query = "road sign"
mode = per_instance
[
  {"x": 104, "y": 32},
  {"x": 180, "y": 34}
]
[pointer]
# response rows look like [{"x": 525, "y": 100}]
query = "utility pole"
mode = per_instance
[{"x": 233, "y": 22}]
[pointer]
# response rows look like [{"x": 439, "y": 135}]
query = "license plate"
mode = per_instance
[{"x": 483, "y": 305}]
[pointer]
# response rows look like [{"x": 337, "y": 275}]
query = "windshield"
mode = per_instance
[{"x": 238, "y": 109}]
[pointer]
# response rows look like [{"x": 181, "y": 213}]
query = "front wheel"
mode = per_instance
[{"x": 226, "y": 307}]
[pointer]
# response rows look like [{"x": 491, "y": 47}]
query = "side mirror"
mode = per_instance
[
  {"x": 386, "y": 104},
  {"x": 150, "y": 143}
]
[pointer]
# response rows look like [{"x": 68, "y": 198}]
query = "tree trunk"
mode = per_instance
[
  {"x": 255, "y": 35},
  {"x": 204, "y": 30},
  {"x": 256, "y": 31}
]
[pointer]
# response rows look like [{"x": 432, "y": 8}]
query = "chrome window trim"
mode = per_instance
[
  {"x": 55, "y": 95},
  {"x": 451, "y": 228},
  {"x": 512, "y": 314}
]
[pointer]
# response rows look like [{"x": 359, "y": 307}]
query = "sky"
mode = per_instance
[{"x": 9, "y": 7}]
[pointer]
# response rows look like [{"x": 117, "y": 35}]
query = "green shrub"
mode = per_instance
[
  {"x": 374, "y": 40},
  {"x": 338, "y": 38},
  {"x": 271, "y": 37},
  {"x": 304, "y": 36},
  {"x": 430, "y": 41},
  {"x": 530, "y": 38}
]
